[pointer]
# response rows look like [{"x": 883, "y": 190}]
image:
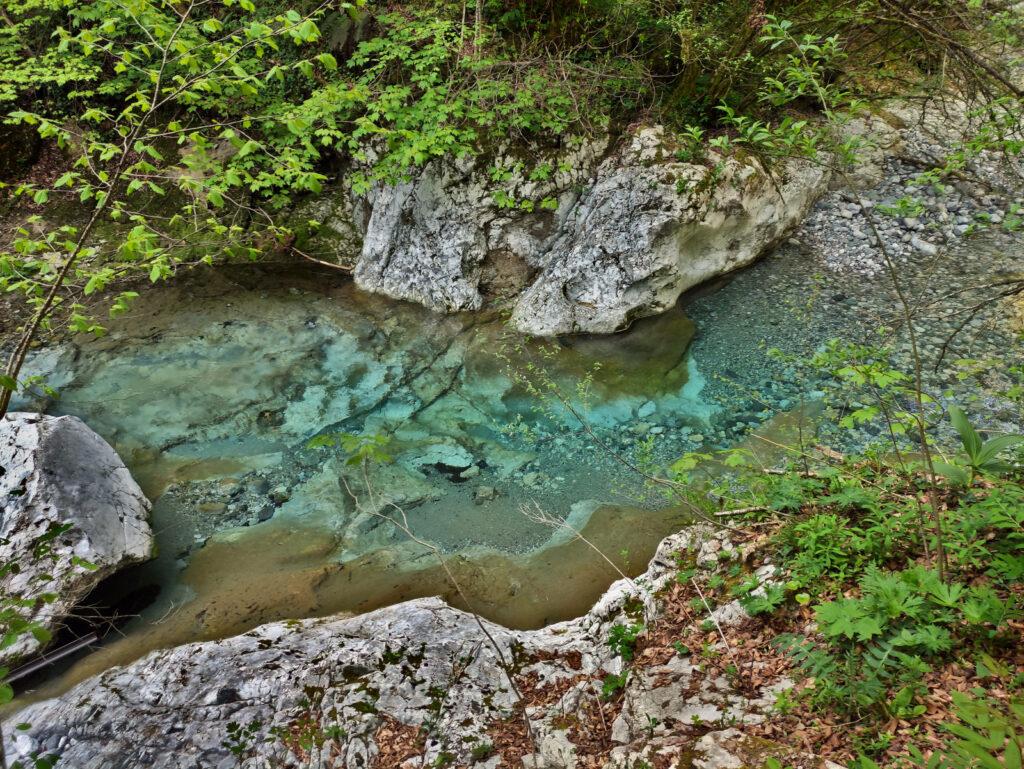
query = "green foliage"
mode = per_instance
[
  {"x": 825, "y": 546},
  {"x": 806, "y": 67},
  {"x": 869, "y": 389},
  {"x": 765, "y": 601},
  {"x": 797, "y": 67},
  {"x": 417, "y": 96},
  {"x": 681, "y": 470},
  {"x": 613, "y": 683},
  {"x": 359, "y": 449},
  {"x": 981, "y": 456},
  {"x": 906, "y": 206},
  {"x": 622, "y": 639},
  {"x": 987, "y": 534},
  {"x": 37, "y": 760},
  {"x": 878, "y": 645},
  {"x": 482, "y": 751},
  {"x": 859, "y": 549},
  {"x": 988, "y": 734},
  {"x": 241, "y": 738},
  {"x": 160, "y": 149}
]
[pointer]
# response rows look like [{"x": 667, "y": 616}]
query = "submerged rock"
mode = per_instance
[
  {"x": 485, "y": 493},
  {"x": 442, "y": 455},
  {"x": 72, "y": 515}
]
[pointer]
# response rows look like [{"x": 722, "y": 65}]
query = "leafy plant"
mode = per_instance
[
  {"x": 878, "y": 645},
  {"x": 359, "y": 448},
  {"x": 764, "y": 602},
  {"x": 149, "y": 61},
  {"x": 613, "y": 683},
  {"x": 988, "y": 734},
  {"x": 903, "y": 207},
  {"x": 981, "y": 457},
  {"x": 482, "y": 751},
  {"x": 622, "y": 639}
]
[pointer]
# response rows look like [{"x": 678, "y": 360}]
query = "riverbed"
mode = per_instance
[{"x": 239, "y": 396}]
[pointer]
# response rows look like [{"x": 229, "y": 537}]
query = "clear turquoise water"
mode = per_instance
[{"x": 211, "y": 390}]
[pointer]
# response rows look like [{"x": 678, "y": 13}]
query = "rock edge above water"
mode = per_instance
[
  {"x": 626, "y": 229},
  {"x": 56, "y": 472},
  {"x": 385, "y": 674}
]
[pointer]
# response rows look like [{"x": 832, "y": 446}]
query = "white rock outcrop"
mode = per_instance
[
  {"x": 650, "y": 228},
  {"x": 585, "y": 240},
  {"x": 71, "y": 516},
  {"x": 443, "y": 237},
  {"x": 348, "y": 686}
]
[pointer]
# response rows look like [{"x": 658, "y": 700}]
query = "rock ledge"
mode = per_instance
[{"x": 65, "y": 490}]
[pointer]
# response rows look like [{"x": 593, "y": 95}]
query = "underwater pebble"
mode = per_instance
[{"x": 485, "y": 493}]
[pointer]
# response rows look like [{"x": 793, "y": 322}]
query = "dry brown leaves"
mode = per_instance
[
  {"x": 589, "y": 725},
  {"x": 396, "y": 744}
]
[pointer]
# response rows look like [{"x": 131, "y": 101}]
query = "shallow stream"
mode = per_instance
[{"x": 211, "y": 391}]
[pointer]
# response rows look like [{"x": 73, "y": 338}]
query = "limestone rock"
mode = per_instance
[
  {"x": 621, "y": 234},
  {"x": 430, "y": 239},
  {"x": 173, "y": 708},
  {"x": 449, "y": 455},
  {"x": 56, "y": 472},
  {"x": 648, "y": 230},
  {"x": 424, "y": 240},
  {"x": 731, "y": 749},
  {"x": 876, "y": 139},
  {"x": 353, "y": 682}
]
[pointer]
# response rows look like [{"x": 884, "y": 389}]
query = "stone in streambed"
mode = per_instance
[
  {"x": 444, "y": 454},
  {"x": 926, "y": 248},
  {"x": 280, "y": 494},
  {"x": 485, "y": 494}
]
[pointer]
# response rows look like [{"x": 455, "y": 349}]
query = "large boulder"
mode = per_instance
[
  {"x": 651, "y": 227},
  {"x": 71, "y": 516},
  {"x": 446, "y": 235},
  {"x": 582, "y": 240}
]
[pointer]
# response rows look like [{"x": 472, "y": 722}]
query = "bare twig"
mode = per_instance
[{"x": 538, "y": 515}]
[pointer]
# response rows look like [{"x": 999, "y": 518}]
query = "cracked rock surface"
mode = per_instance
[
  {"x": 55, "y": 472},
  {"x": 610, "y": 234},
  {"x": 355, "y": 686}
]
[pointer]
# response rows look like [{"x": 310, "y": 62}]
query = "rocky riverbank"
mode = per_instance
[
  {"x": 362, "y": 690},
  {"x": 71, "y": 516},
  {"x": 892, "y": 197},
  {"x": 586, "y": 240},
  {"x": 422, "y": 684},
  {"x": 609, "y": 231}
]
